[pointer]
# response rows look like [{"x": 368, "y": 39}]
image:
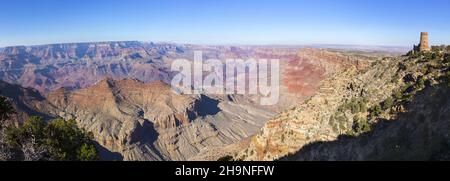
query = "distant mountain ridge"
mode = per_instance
[
  {"x": 87, "y": 50},
  {"x": 49, "y": 67}
]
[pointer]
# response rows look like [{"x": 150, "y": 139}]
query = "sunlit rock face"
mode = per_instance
[{"x": 119, "y": 91}]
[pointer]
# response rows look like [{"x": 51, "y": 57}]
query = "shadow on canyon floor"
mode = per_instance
[
  {"x": 107, "y": 155},
  {"x": 208, "y": 106}
]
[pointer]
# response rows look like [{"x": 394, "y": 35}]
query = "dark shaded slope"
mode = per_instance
[
  {"x": 24, "y": 100},
  {"x": 422, "y": 133}
]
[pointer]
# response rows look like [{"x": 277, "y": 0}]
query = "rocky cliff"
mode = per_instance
[
  {"x": 149, "y": 122},
  {"x": 356, "y": 103},
  {"x": 25, "y": 101}
]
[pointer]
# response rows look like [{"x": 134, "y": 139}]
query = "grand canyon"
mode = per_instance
[
  {"x": 120, "y": 92},
  {"x": 353, "y": 81}
]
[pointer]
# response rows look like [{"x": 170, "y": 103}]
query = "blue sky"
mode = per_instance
[{"x": 363, "y": 22}]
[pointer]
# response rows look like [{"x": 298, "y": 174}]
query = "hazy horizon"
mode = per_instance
[{"x": 207, "y": 44}]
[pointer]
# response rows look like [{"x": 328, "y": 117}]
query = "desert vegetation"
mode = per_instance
[{"x": 37, "y": 139}]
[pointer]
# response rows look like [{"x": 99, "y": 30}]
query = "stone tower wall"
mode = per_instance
[{"x": 423, "y": 46}]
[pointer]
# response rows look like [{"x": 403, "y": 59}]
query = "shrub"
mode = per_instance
[
  {"x": 412, "y": 54},
  {"x": 433, "y": 56},
  {"x": 35, "y": 127},
  {"x": 14, "y": 137},
  {"x": 388, "y": 103},
  {"x": 333, "y": 124},
  {"x": 402, "y": 66},
  {"x": 355, "y": 108},
  {"x": 338, "y": 121},
  {"x": 342, "y": 108},
  {"x": 427, "y": 55},
  {"x": 409, "y": 78},
  {"x": 6, "y": 110},
  {"x": 67, "y": 138},
  {"x": 407, "y": 88},
  {"x": 447, "y": 58},
  {"x": 341, "y": 119},
  {"x": 361, "y": 125},
  {"x": 398, "y": 95},
  {"x": 62, "y": 139},
  {"x": 421, "y": 83},
  {"x": 363, "y": 106},
  {"x": 438, "y": 48},
  {"x": 376, "y": 111},
  {"x": 87, "y": 153}
]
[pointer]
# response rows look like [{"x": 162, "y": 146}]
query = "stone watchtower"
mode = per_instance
[{"x": 423, "y": 46}]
